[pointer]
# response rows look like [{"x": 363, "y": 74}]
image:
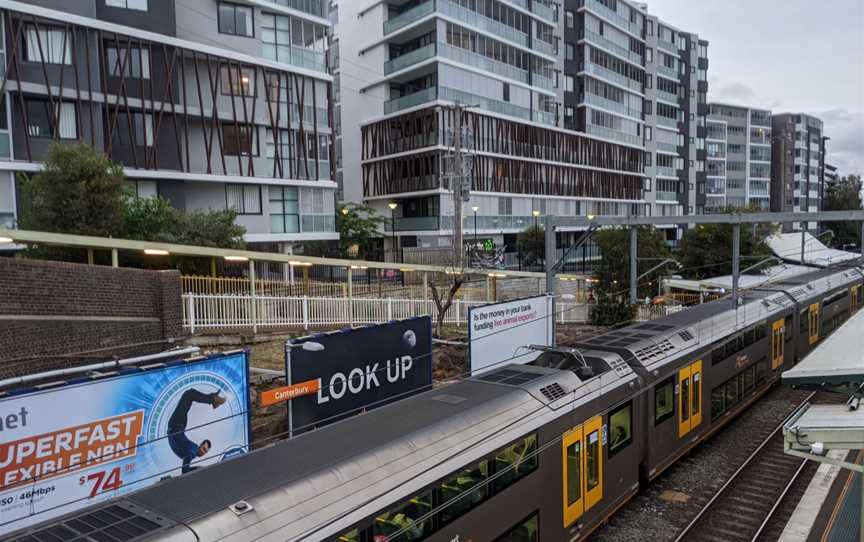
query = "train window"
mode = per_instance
[
  {"x": 717, "y": 407},
  {"x": 351, "y": 536},
  {"x": 761, "y": 331},
  {"x": 664, "y": 400},
  {"x": 697, "y": 392},
  {"x": 731, "y": 348},
  {"x": 515, "y": 461},
  {"x": 467, "y": 487},
  {"x": 685, "y": 399},
  {"x": 749, "y": 337},
  {"x": 592, "y": 459},
  {"x": 574, "y": 472},
  {"x": 749, "y": 378},
  {"x": 803, "y": 321},
  {"x": 731, "y": 394},
  {"x": 761, "y": 370},
  {"x": 527, "y": 531},
  {"x": 620, "y": 428},
  {"x": 405, "y": 520},
  {"x": 717, "y": 356}
]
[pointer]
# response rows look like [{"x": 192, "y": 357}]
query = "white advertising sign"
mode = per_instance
[{"x": 498, "y": 333}]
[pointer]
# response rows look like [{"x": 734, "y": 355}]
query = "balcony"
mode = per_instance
[
  {"x": 667, "y": 122},
  {"x": 404, "y": 102},
  {"x": 609, "y": 105},
  {"x": 543, "y": 82},
  {"x": 5, "y": 144},
  {"x": 482, "y": 22},
  {"x": 669, "y": 73},
  {"x": 318, "y": 8},
  {"x": 667, "y": 196},
  {"x": 496, "y": 106},
  {"x": 541, "y": 10},
  {"x": 413, "y": 223},
  {"x": 615, "y": 135},
  {"x": 404, "y": 19},
  {"x": 667, "y": 97},
  {"x": 610, "y": 45},
  {"x": 671, "y": 48},
  {"x": 667, "y": 172},
  {"x": 463, "y": 56},
  {"x": 668, "y": 147},
  {"x": 544, "y": 117},
  {"x": 614, "y": 77},
  {"x": 543, "y": 47},
  {"x": 409, "y": 59},
  {"x": 613, "y": 17}
]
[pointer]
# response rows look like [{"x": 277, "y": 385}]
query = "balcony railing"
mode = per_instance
[
  {"x": 404, "y": 19},
  {"x": 612, "y": 16},
  {"x": 665, "y": 121},
  {"x": 543, "y": 82},
  {"x": 404, "y": 102},
  {"x": 667, "y": 196},
  {"x": 667, "y": 97},
  {"x": 667, "y": 46},
  {"x": 616, "y": 135},
  {"x": 597, "y": 39},
  {"x": 484, "y": 23},
  {"x": 663, "y": 171},
  {"x": 495, "y": 106},
  {"x": 319, "y": 8},
  {"x": 600, "y": 71},
  {"x": 413, "y": 223},
  {"x": 544, "y": 11},
  {"x": 409, "y": 59},
  {"x": 4, "y": 145},
  {"x": 670, "y": 73},
  {"x": 609, "y": 105},
  {"x": 484, "y": 63}
]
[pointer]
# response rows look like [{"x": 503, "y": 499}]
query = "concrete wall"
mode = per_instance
[{"x": 51, "y": 313}]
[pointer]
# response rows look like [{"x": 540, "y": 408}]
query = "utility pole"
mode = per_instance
[{"x": 458, "y": 171}]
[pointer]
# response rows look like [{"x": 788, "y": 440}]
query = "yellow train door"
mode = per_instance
[
  {"x": 853, "y": 299},
  {"x": 684, "y": 401},
  {"x": 696, "y": 394},
  {"x": 778, "y": 335},
  {"x": 582, "y": 456},
  {"x": 814, "y": 323}
]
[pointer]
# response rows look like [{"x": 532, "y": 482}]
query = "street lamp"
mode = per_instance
[
  {"x": 475, "y": 209},
  {"x": 344, "y": 210},
  {"x": 536, "y": 213},
  {"x": 393, "y": 206}
]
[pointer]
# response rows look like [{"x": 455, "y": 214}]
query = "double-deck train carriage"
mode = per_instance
[{"x": 524, "y": 453}]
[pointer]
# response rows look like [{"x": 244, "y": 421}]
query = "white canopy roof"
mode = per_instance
[
  {"x": 839, "y": 359},
  {"x": 771, "y": 274},
  {"x": 787, "y": 246}
]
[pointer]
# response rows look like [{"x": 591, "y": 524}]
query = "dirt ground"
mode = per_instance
[{"x": 449, "y": 361}]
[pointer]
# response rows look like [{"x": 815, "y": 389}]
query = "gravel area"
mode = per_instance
[{"x": 662, "y": 509}]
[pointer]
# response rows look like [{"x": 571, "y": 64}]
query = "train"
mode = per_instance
[{"x": 522, "y": 453}]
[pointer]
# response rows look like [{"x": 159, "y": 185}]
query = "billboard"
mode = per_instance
[
  {"x": 497, "y": 333},
  {"x": 357, "y": 369},
  {"x": 72, "y": 446}
]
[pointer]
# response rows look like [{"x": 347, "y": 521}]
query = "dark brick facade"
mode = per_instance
[{"x": 56, "y": 314}]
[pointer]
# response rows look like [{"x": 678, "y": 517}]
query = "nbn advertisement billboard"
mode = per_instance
[
  {"x": 358, "y": 369},
  {"x": 87, "y": 441}
]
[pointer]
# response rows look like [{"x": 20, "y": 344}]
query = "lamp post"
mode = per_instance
[
  {"x": 536, "y": 213},
  {"x": 393, "y": 206},
  {"x": 475, "y": 209}
]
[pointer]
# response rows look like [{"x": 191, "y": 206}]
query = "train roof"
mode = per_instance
[
  {"x": 373, "y": 459},
  {"x": 653, "y": 345}
]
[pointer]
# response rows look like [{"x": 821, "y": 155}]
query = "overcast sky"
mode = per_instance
[{"x": 788, "y": 56}]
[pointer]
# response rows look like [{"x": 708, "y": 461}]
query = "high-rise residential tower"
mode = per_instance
[
  {"x": 798, "y": 175},
  {"x": 739, "y": 165},
  {"x": 210, "y": 104}
]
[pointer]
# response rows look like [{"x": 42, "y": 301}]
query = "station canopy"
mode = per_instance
[
  {"x": 787, "y": 247},
  {"x": 837, "y": 362}
]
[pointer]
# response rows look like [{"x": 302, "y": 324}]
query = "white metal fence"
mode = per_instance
[{"x": 211, "y": 312}]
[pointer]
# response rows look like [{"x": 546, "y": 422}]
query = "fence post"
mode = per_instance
[
  {"x": 190, "y": 313},
  {"x": 389, "y": 309},
  {"x": 458, "y": 311},
  {"x": 253, "y": 310},
  {"x": 305, "y": 312},
  {"x": 114, "y": 258},
  {"x": 350, "y": 298},
  {"x": 425, "y": 285}
]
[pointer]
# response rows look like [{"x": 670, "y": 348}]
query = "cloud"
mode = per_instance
[{"x": 846, "y": 146}]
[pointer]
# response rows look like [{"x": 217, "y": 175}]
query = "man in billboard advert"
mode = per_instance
[{"x": 180, "y": 444}]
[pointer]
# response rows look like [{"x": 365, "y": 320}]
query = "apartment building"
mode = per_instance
[
  {"x": 210, "y": 104},
  {"x": 639, "y": 81},
  {"x": 402, "y": 64},
  {"x": 798, "y": 175},
  {"x": 738, "y": 147}
]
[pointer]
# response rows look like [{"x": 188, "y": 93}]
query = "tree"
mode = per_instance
[
  {"x": 532, "y": 245},
  {"x": 706, "y": 250},
  {"x": 844, "y": 195},
  {"x": 79, "y": 190},
  {"x": 612, "y": 310},
  {"x": 358, "y": 226},
  {"x": 614, "y": 271}
]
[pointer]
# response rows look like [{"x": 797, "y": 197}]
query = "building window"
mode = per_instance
[
  {"x": 135, "y": 62},
  {"x": 284, "y": 209},
  {"x": 649, "y": 133},
  {"x": 239, "y": 139},
  {"x": 649, "y": 55},
  {"x": 146, "y": 189},
  {"x": 570, "y": 19},
  {"x": 238, "y": 81},
  {"x": 51, "y": 44},
  {"x": 569, "y": 83},
  {"x": 235, "y": 20},
  {"x": 245, "y": 199},
  {"x": 569, "y": 117},
  {"x": 41, "y": 120},
  {"x": 569, "y": 51},
  {"x": 140, "y": 5},
  {"x": 142, "y": 126},
  {"x": 293, "y": 41}
]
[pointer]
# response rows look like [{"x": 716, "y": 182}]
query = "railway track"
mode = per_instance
[{"x": 743, "y": 508}]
